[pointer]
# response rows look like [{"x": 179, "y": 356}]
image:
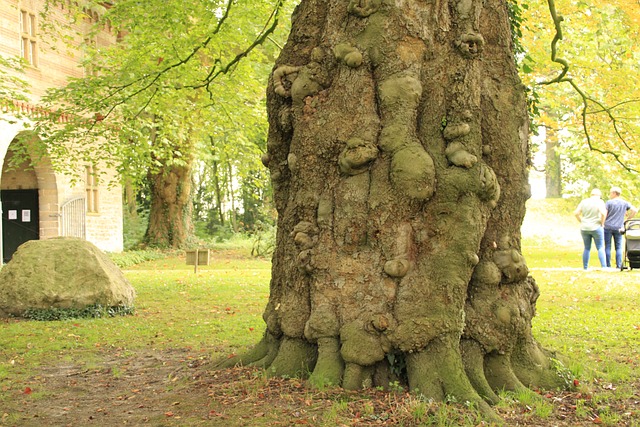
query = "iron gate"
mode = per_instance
[{"x": 72, "y": 218}]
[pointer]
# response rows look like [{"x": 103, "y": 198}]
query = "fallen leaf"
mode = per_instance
[{"x": 27, "y": 390}]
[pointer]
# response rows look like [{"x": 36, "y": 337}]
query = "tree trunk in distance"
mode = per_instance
[
  {"x": 398, "y": 155},
  {"x": 170, "y": 223},
  {"x": 218, "y": 189},
  {"x": 130, "y": 198},
  {"x": 232, "y": 198},
  {"x": 553, "y": 165}
]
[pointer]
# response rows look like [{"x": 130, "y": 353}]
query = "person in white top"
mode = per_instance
[{"x": 591, "y": 214}]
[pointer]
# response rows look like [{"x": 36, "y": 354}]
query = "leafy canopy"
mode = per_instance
[{"x": 177, "y": 76}]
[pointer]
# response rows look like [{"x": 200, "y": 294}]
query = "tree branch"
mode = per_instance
[
  {"x": 156, "y": 76},
  {"x": 562, "y": 78},
  {"x": 557, "y": 21},
  {"x": 266, "y": 31}
]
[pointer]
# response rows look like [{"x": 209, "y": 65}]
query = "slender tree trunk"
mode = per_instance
[
  {"x": 553, "y": 165},
  {"x": 130, "y": 199},
  {"x": 232, "y": 199},
  {"x": 398, "y": 155},
  {"x": 218, "y": 190}
]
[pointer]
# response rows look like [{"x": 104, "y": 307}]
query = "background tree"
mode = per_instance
[
  {"x": 552, "y": 165},
  {"x": 398, "y": 156}
]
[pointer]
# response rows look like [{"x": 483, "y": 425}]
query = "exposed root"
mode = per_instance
[
  {"x": 296, "y": 358},
  {"x": 535, "y": 367},
  {"x": 357, "y": 377},
  {"x": 447, "y": 369},
  {"x": 437, "y": 372},
  {"x": 267, "y": 345},
  {"x": 499, "y": 373},
  {"x": 330, "y": 366},
  {"x": 473, "y": 359},
  {"x": 273, "y": 346}
]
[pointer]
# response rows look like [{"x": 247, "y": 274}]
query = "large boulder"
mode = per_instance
[{"x": 62, "y": 273}]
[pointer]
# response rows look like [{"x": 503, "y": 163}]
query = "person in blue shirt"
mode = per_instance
[
  {"x": 618, "y": 210},
  {"x": 591, "y": 213}
]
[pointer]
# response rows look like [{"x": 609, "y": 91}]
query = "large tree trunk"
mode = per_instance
[
  {"x": 170, "y": 224},
  {"x": 398, "y": 155}
]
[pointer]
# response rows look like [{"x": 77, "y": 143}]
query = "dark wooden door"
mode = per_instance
[{"x": 20, "y": 220}]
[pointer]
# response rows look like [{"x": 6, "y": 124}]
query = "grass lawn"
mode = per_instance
[{"x": 151, "y": 368}]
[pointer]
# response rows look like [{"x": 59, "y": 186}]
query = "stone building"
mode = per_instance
[{"x": 38, "y": 201}]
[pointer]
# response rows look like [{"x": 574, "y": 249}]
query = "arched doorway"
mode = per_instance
[{"x": 28, "y": 195}]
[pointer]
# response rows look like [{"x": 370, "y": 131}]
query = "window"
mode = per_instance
[
  {"x": 91, "y": 186},
  {"x": 28, "y": 37},
  {"x": 89, "y": 47}
]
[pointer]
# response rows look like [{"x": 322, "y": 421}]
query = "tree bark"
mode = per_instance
[
  {"x": 218, "y": 195},
  {"x": 170, "y": 224},
  {"x": 130, "y": 198},
  {"x": 398, "y": 155}
]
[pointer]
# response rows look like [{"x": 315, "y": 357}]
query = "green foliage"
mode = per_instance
[
  {"x": 594, "y": 109},
  {"x": 214, "y": 231},
  {"x": 183, "y": 83},
  {"x": 178, "y": 76},
  {"x": 516, "y": 19},
  {"x": 92, "y": 311},
  {"x": 398, "y": 364},
  {"x": 130, "y": 258},
  {"x": 13, "y": 86},
  {"x": 134, "y": 227},
  {"x": 264, "y": 240}
]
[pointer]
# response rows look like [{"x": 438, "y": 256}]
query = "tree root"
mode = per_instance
[
  {"x": 357, "y": 377},
  {"x": 499, "y": 373},
  {"x": 330, "y": 366},
  {"x": 473, "y": 359},
  {"x": 296, "y": 359},
  {"x": 262, "y": 354},
  {"x": 535, "y": 367},
  {"x": 437, "y": 372},
  {"x": 447, "y": 369}
]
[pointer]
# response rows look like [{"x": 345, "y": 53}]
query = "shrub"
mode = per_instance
[{"x": 92, "y": 311}]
